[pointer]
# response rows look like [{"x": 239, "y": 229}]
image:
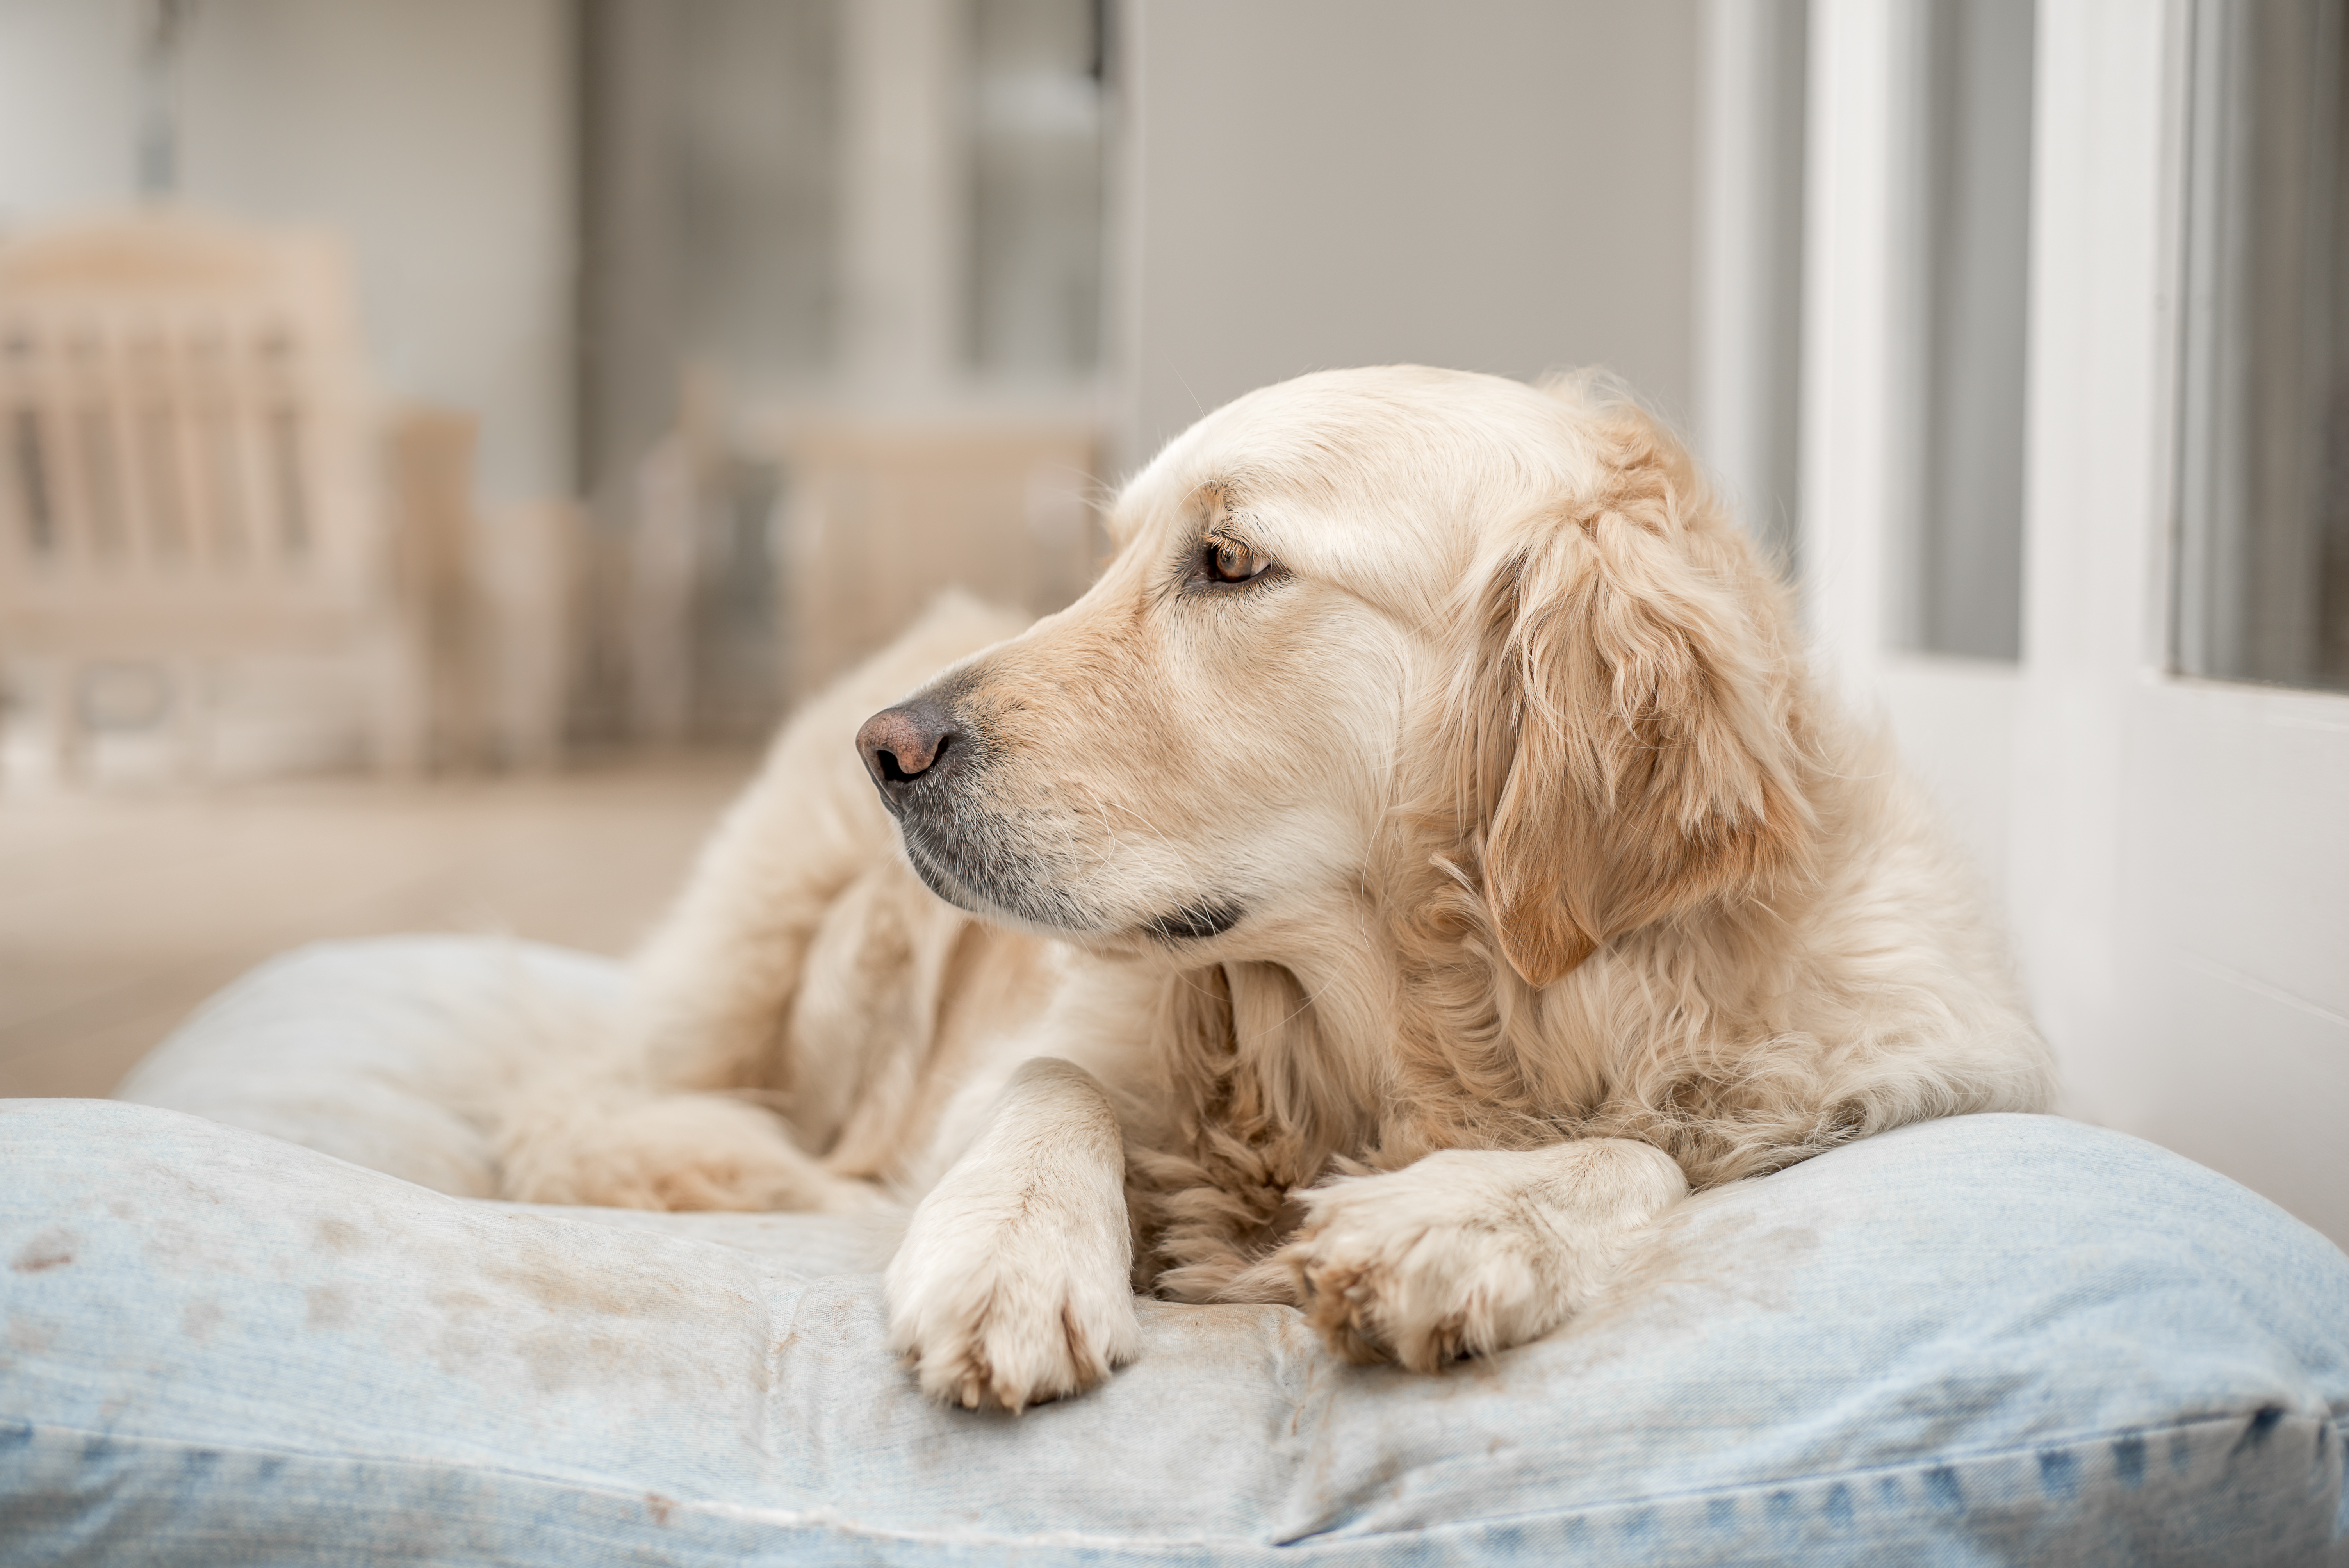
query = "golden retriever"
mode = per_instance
[{"x": 1419, "y": 860}]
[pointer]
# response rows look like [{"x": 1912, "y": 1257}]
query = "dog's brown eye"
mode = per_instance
[{"x": 1227, "y": 562}]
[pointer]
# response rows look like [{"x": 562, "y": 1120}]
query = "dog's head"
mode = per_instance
[{"x": 1349, "y": 611}]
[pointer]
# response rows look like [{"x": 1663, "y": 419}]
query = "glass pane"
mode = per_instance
[
  {"x": 1977, "y": 234},
  {"x": 1036, "y": 188},
  {"x": 757, "y": 135},
  {"x": 2262, "y": 583}
]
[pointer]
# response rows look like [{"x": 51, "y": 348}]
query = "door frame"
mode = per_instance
[{"x": 2171, "y": 854}]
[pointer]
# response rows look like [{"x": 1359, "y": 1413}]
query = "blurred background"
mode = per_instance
[{"x": 439, "y": 439}]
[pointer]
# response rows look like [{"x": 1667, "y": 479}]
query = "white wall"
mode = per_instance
[
  {"x": 1502, "y": 185},
  {"x": 68, "y": 104},
  {"x": 433, "y": 134}
]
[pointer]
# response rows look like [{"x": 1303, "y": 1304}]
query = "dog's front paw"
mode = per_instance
[
  {"x": 1391, "y": 1267},
  {"x": 1470, "y": 1251},
  {"x": 1009, "y": 1308},
  {"x": 676, "y": 1151}
]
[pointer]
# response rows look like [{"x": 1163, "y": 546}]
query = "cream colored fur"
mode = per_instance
[{"x": 1401, "y": 930}]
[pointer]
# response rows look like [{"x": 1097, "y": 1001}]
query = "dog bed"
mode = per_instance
[{"x": 269, "y": 1311}]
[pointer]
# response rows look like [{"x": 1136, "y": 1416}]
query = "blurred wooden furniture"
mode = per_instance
[
  {"x": 188, "y": 476},
  {"x": 491, "y": 595},
  {"x": 194, "y": 478},
  {"x": 882, "y": 515},
  {"x": 696, "y": 618},
  {"x": 665, "y": 558},
  {"x": 852, "y": 523},
  {"x": 526, "y": 589}
]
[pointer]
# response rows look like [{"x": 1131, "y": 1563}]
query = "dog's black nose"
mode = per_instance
[{"x": 912, "y": 741}]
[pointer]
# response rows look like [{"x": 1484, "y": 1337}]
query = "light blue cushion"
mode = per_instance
[{"x": 1988, "y": 1340}]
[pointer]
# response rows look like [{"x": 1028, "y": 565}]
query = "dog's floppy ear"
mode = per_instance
[{"x": 1631, "y": 747}]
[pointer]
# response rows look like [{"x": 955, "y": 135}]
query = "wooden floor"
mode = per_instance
[{"x": 119, "y": 911}]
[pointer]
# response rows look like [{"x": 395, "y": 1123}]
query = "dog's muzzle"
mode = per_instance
[
  {"x": 929, "y": 766},
  {"x": 927, "y": 763}
]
